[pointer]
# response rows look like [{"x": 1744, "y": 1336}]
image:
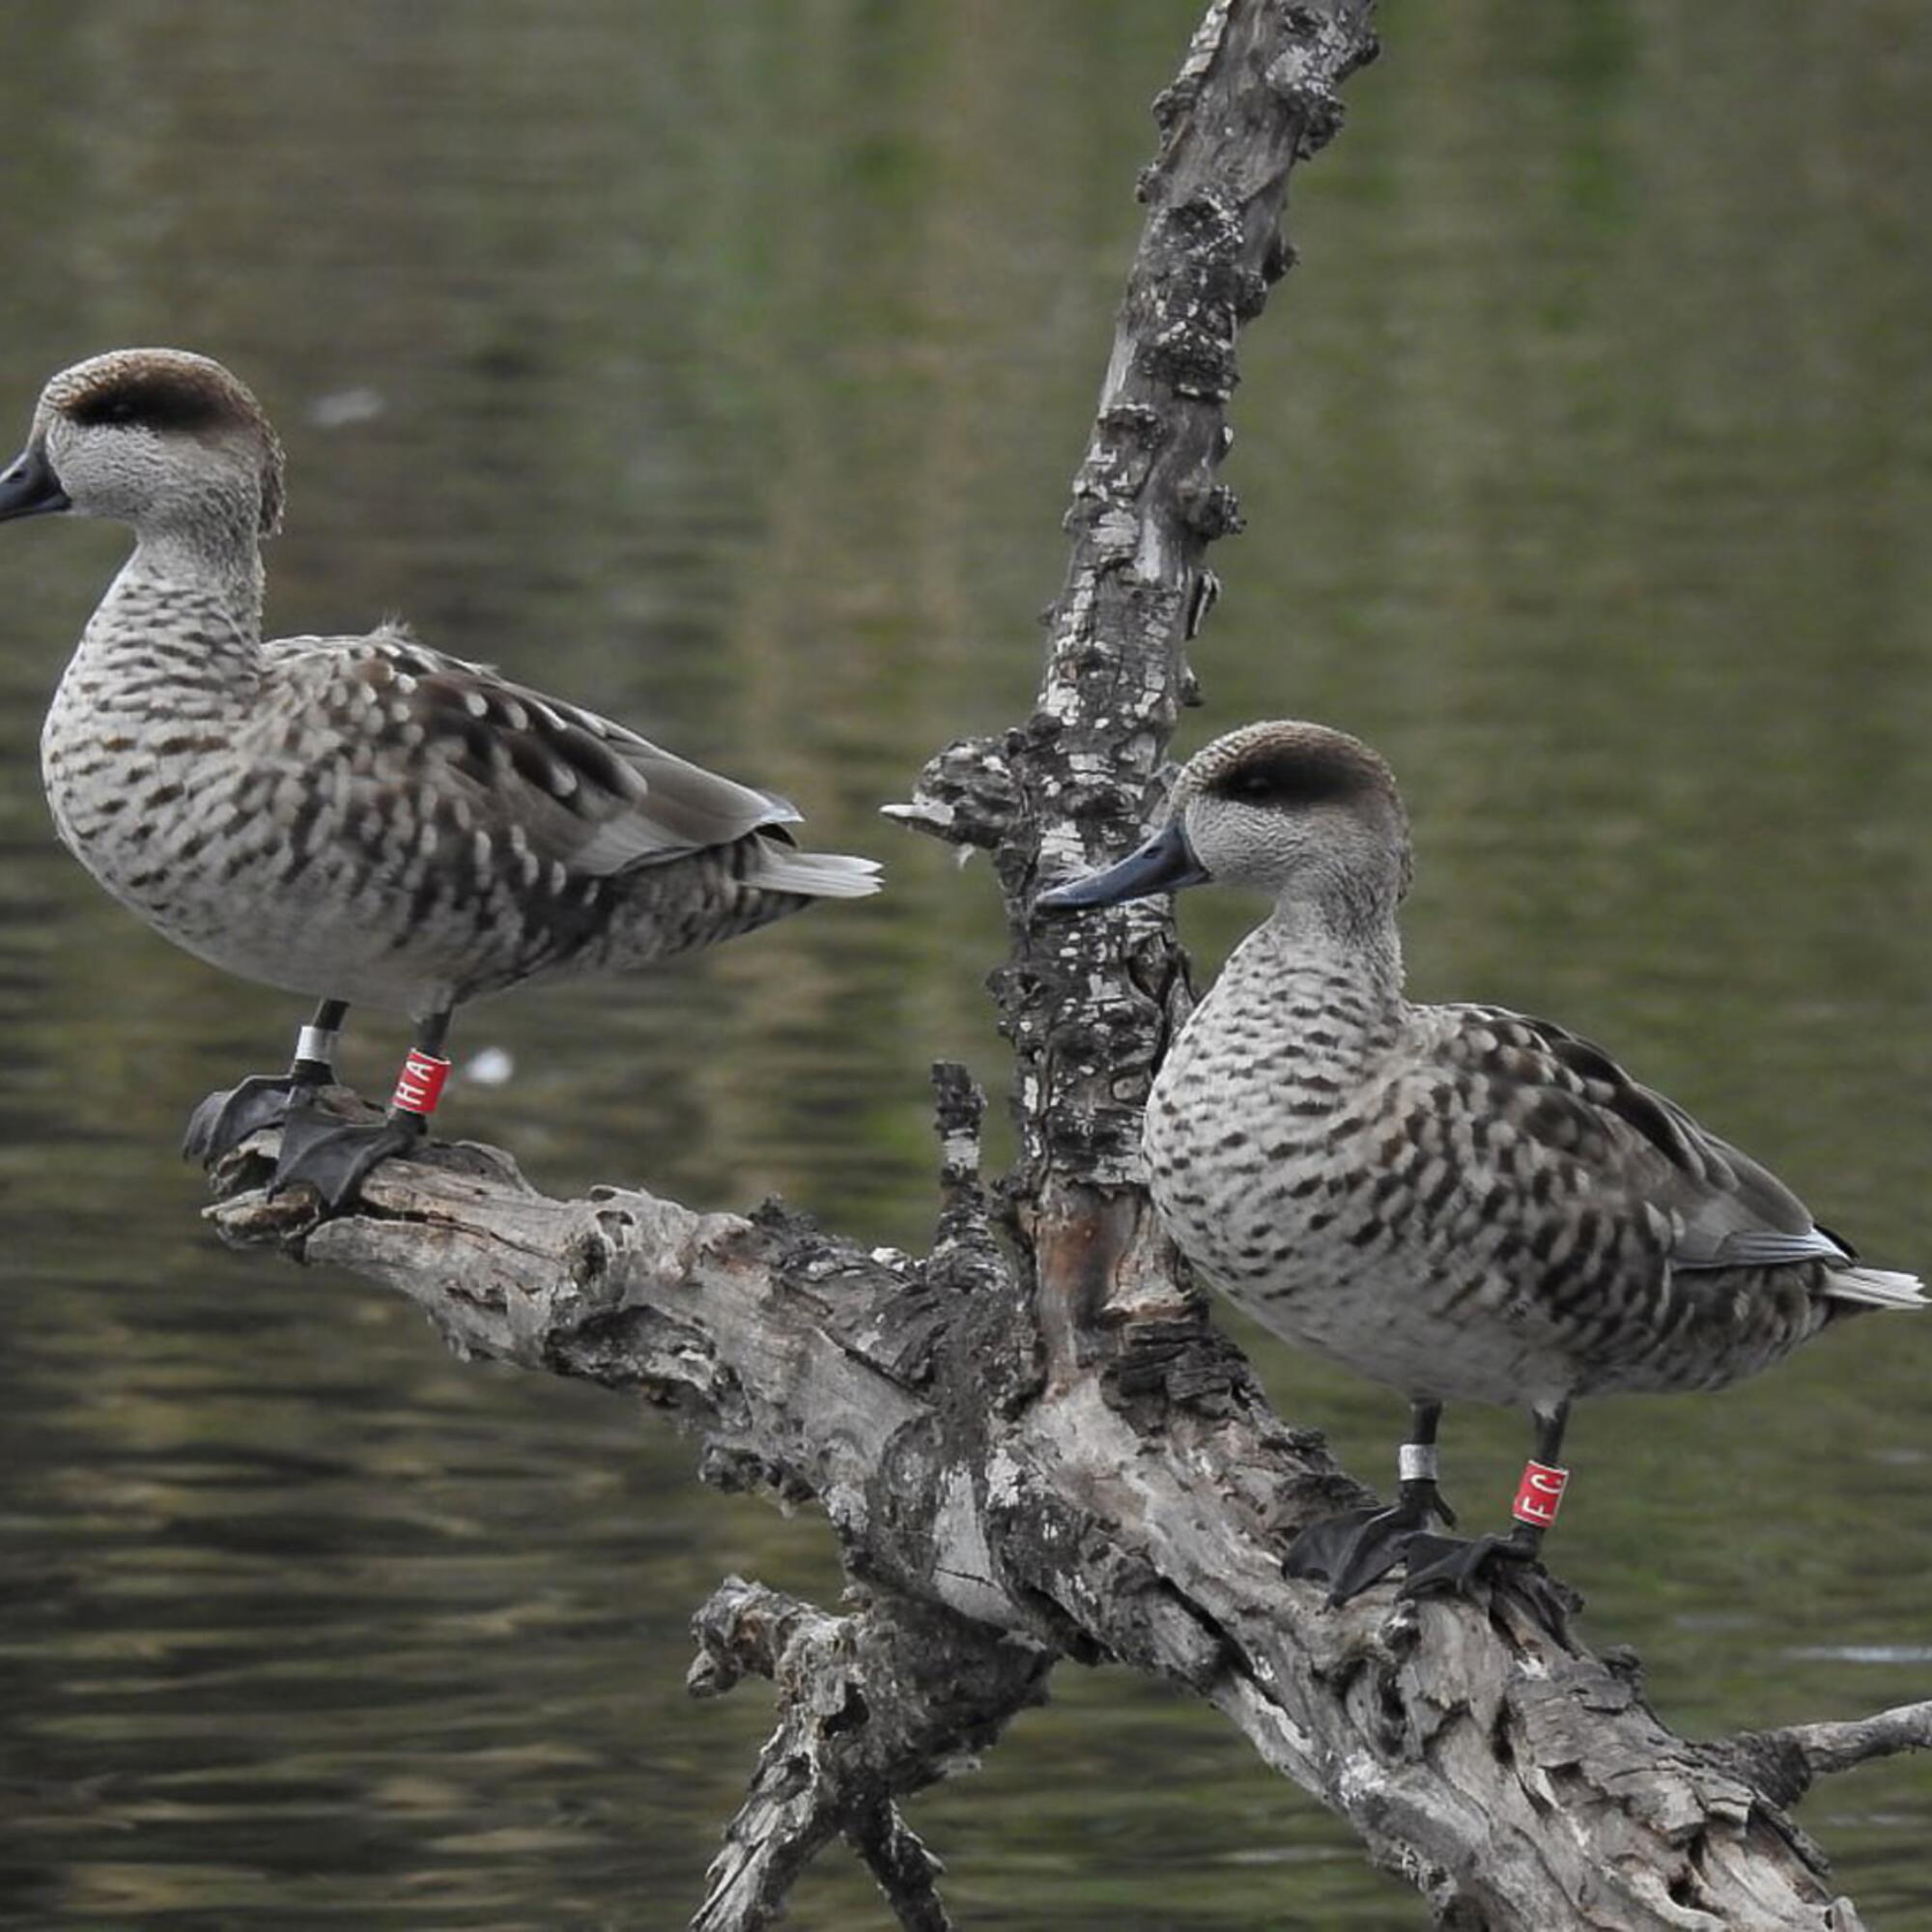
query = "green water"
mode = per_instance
[{"x": 724, "y": 366}]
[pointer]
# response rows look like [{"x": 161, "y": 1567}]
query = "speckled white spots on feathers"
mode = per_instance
[
  {"x": 357, "y": 817},
  {"x": 1456, "y": 1200}
]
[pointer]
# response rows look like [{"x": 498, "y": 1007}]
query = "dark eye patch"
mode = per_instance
[
  {"x": 156, "y": 399},
  {"x": 1295, "y": 776},
  {"x": 1257, "y": 786}
]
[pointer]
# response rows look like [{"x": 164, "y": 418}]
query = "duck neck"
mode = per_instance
[
  {"x": 212, "y": 567},
  {"x": 1342, "y": 937},
  {"x": 187, "y": 605}
]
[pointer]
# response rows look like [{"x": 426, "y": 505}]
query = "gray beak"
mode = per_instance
[
  {"x": 1163, "y": 864},
  {"x": 29, "y": 487}
]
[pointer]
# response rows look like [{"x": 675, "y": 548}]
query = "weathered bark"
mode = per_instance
[
  {"x": 1036, "y": 1446},
  {"x": 864, "y": 1718}
]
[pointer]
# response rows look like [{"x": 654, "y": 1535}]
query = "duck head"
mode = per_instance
[
  {"x": 156, "y": 438},
  {"x": 1307, "y": 814}
]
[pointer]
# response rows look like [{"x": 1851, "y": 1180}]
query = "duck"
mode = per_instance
[
  {"x": 358, "y": 819},
  {"x": 1459, "y": 1202}
]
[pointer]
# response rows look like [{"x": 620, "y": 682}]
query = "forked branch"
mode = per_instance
[{"x": 1036, "y": 1446}]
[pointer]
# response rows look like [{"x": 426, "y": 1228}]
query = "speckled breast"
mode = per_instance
[
  {"x": 151, "y": 806},
  {"x": 1291, "y": 1155},
  {"x": 167, "y": 809}
]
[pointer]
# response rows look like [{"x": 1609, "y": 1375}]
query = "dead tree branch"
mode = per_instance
[
  {"x": 1038, "y": 1447},
  {"x": 1784, "y": 1764},
  {"x": 864, "y": 1720}
]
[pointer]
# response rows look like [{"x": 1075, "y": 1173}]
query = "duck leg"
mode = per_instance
[
  {"x": 1454, "y": 1565},
  {"x": 227, "y": 1116},
  {"x": 1359, "y": 1547},
  {"x": 333, "y": 1155}
]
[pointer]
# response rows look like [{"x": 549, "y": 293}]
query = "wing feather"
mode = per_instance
[
  {"x": 1638, "y": 1147},
  {"x": 586, "y": 793}
]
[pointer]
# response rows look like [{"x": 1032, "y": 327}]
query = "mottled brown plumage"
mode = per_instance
[
  {"x": 358, "y": 818},
  {"x": 1458, "y": 1200}
]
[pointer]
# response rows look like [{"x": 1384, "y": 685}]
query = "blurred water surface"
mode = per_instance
[{"x": 724, "y": 367}]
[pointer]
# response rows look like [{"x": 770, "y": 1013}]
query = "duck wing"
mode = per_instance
[
  {"x": 413, "y": 733},
  {"x": 1567, "y": 1095}
]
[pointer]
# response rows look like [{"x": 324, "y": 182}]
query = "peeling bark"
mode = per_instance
[
  {"x": 1029, "y": 1442},
  {"x": 1785, "y": 1764},
  {"x": 864, "y": 1719}
]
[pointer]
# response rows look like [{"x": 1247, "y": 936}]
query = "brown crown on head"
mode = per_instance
[
  {"x": 171, "y": 392},
  {"x": 1290, "y": 764}
]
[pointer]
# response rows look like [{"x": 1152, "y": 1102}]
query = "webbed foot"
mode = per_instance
[
  {"x": 333, "y": 1154},
  {"x": 227, "y": 1116},
  {"x": 1358, "y": 1547},
  {"x": 1462, "y": 1566}
]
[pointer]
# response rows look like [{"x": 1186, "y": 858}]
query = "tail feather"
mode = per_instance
[
  {"x": 1878, "y": 1288},
  {"x": 817, "y": 876}
]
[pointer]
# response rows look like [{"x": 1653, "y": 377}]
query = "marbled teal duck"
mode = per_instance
[
  {"x": 1457, "y": 1200},
  {"x": 359, "y": 819}
]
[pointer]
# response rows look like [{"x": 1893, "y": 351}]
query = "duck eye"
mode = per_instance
[{"x": 1255, "y": 787}]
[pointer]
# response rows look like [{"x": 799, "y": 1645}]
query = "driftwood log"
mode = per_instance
[{"x": 1029, "y": 1442}]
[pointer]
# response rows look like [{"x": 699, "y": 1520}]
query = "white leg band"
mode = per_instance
[
  {"x": 316, "y": 1043},
  {"x": 1415, "y": 1462}
]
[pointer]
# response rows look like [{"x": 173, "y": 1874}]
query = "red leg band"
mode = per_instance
[
  {"x": 419, "y": 1085},
  {"x": 1540, "y": 1493}
]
